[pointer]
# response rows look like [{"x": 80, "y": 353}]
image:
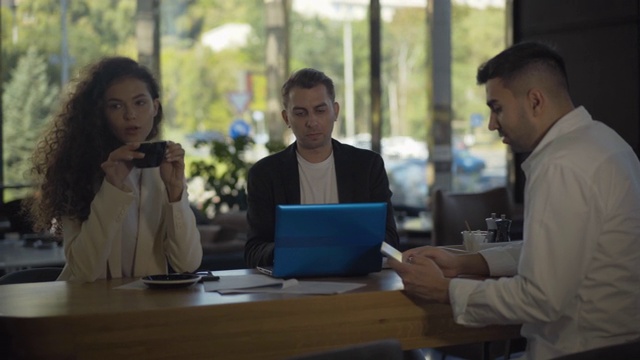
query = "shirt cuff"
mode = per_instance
[
  {"x": 499, "y": 261},
  {"x": 459, "y": 292}
]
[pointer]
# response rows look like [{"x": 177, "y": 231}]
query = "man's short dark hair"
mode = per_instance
[
  {"x": 521, "y": 58},
  {"x": 307, "y": 78}
]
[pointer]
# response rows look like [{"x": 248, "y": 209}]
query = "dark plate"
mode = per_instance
[{"x": 170, "y": 281}]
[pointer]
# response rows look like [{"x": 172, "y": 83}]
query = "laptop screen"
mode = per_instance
[{"x": 328, "y": 239}]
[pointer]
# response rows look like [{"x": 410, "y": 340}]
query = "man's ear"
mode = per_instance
[
  {"x": 536, "y": 100},
  {"x": 285, "y": 118},
  {"x": 336, "y": 110}
]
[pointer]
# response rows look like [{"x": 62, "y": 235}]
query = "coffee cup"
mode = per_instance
[
  {"x": 153, "y": 154},
  {"x": 473, "y": 240}
]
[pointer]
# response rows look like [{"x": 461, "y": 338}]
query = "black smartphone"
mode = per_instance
[
  {"x": 207, "y": 276},
  {"x": 153, "y": 154}
]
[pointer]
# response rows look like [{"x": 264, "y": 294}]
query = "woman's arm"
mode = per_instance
[
  {"x": 87, "y": 245},
  {"x": 182, "y": 247}
]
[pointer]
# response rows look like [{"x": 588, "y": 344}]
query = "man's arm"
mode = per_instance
[
  {"x": 258, "y": 250},
  {"x": 380, "y": 192}
]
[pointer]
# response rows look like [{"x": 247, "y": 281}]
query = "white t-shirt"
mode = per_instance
[{"x": 318, "y": 183}]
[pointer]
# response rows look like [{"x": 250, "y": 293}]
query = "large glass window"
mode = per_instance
[
  {"x": 340, "y": 47},
  {"x": 44, "y": 44},
  {"x": 212, "y": 61},
  {"x": 477, "y": 34}
]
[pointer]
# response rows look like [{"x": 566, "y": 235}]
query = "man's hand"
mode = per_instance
[
  {"x": 451, "y": 264},
  {"x": 422, "y": 277},
  {"x": 446, "y": 261}
]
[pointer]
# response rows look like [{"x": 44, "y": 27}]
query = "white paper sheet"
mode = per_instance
[
  {"x": 258, "y": 283},
  {"x": 242, "y": 282},
  {"x": 300, "y": 287}
]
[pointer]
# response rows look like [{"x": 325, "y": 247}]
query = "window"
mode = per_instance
[{"x": 213, "y": 76}]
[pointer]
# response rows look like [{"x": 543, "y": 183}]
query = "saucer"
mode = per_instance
[{"x": 170, "y": 281}]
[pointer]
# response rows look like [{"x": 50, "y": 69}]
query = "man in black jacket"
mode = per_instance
[{"x": 315, "y": 169}]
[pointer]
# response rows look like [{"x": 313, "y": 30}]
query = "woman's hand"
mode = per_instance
[
  {"x": 172, "y": 170},
  {"x": 119, "y": 165}
]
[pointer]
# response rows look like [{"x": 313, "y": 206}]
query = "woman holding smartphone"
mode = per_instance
[{"x": 116, "y": 219}]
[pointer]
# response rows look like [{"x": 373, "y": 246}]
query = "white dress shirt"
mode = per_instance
[{"x": 577, "y": 284}]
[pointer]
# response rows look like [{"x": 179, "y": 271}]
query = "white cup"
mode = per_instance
[{"x": 472, "y": 240}]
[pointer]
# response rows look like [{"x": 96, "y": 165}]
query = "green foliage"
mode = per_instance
[
  {"x": 225, "y": 173},
  {"x": 194, "y": 92},
  {"x": 196, "y": 81},
  {"x": 95, "y": 29},
  {"x": 478, "y": 34},
  {"x": 274, "y": 146},
  {"x": 405, "y": 68},
  {"x": 27, "y": 101}
]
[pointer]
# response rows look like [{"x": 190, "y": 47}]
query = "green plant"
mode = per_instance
[
  {"x": 225, "y": 173},
  {"x": 273, "y": 146}
]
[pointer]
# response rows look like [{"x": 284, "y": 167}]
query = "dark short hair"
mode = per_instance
[
  {"x": 307, "y": 78},
  {"x": 521, "y": 58}
]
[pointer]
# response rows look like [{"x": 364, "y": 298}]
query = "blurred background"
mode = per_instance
[{"x": 213, "y": 64}]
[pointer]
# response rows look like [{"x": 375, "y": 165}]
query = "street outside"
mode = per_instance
[{"x": 475, "y": 168}]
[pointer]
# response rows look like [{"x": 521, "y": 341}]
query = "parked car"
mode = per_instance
[
  {"x": 408, "y": 179},
  {"x": 466, "y": 163},
  {"x": 408, "y": 183}
]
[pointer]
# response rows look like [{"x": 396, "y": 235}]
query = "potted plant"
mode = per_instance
[{"x": 225, "y": 173}]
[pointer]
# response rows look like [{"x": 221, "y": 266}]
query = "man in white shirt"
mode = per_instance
[{"x": 575, "y": 282}]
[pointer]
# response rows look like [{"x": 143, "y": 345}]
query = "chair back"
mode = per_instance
[
  {"x": 31, "y": 275},
  {"x": 451, "y": 210},
  {"x": 18, "y": 220},
  {"x": 389, "y": 349}
]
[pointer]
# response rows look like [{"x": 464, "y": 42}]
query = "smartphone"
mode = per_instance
[
  {"x": 153, "y": 154},
  {"x": 390, "y": 251},
  {"x": 207, "y": 276}
]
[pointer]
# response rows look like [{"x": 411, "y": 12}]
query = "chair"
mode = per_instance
[
  {"x": 451, "y": 214},
  {"x": 627, "y": 350},
  {"x": 452, "y": 211},
  {"x": 389, "y": 349},
  {"x": 31, "y": 275},
  {"x": 223, "y": 241},
  {"x": 18, "y": 220}
]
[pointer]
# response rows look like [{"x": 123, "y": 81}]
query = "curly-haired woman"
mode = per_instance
[{"x": 116, "y": 220}]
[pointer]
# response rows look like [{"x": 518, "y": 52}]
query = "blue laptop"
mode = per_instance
[{"x": 328, "y": 239}]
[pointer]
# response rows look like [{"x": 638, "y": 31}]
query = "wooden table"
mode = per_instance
[{"x": 62, "y": 320}]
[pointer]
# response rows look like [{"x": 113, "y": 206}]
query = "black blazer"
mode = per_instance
[{"x": 274, "y": 180}]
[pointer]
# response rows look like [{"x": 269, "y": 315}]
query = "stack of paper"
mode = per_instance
[{"x": 257, "y": 283}]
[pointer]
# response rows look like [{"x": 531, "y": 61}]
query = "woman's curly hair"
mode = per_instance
[{"x": 67, "y": 158}]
